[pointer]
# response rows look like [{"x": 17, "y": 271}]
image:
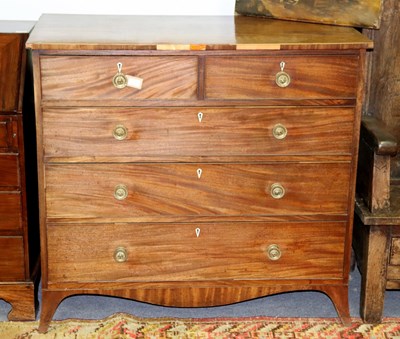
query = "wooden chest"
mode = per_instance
[
  {"x": 195, "y": 161},
  {"x": 19, "y": 233}
]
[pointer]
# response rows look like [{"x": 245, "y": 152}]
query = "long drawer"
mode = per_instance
[
  {"x": 88, "y": 78},
  {"x": 192, "y": 252},
  {"x": 12, "y": 265},
  {"x": 10, "y": 211},
  {"x": 194, "y": 131},
  {"x": 255, "y": 77},
  {"x": 121, "y": 191}
]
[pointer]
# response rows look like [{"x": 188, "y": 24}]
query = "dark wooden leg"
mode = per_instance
[
  {"x": 50, "y": 302},
  {"x": 374, "y": 268}
]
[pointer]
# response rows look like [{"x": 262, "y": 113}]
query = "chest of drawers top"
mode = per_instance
[{"x": 195, "y": 33}]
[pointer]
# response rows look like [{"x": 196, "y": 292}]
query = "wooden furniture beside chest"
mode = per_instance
[
  {"x": 19, "y": 238},
  {"x": 377, "y": 230},
  {"x": 377, "y": 224},
  {"x": 227, "y": 174}
]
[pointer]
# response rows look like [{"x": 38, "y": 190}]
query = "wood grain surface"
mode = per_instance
[
  {"x": 157, "y": 133},
  {"x": 353, "y": 13},
  {"x": 182, "y": 171},
  {"x": 86, "y": 191},
  {"x": 108, "y": 32}
]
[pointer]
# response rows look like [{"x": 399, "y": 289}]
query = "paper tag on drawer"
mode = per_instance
[{"x": 134, "y": 82}]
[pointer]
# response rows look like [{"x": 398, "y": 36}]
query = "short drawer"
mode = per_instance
[
  {"x": 12, "y": 266},
  {"x": 9, "y": 174},
  {"x": 90, "y": 78},
  {"x": 255, "y": 77},
  {"x": 192, "y": 252},
  {"x": 8, "y": 133},
  {"x": 134, "y": 191},
  {"x": 10, "y": 211},
  {"x": 196, "y": 131}
]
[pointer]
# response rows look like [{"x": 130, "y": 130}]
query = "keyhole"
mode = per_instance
[
  {"x": 199, "y": 172},
  {"x": 197, "y": 232}
]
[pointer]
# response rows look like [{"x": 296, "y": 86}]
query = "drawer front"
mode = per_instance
[
  {"x": 395, "y": 251},
  {"x": 72, "y": 132},
  {"x": 90, "y": 78},
  {"x": 8, "y": 134},
  {"x": 177, "y": 252},
  {"x": 311, "y": 77},
  {"x": 154, "y": 190},
  {"x": 10, "y": 211},
  {"x": 9, "y": 176},
  {"x": 11, "y": 259}
]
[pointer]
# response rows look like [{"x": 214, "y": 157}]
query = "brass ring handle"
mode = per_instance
[
  {"x": 120, "y": 132},
  {"x": 120, "y": 192},
  {"x": 120, "y": 254},
  {"x": 274, "y": 252},
  {"x": 279, "y": 131},
  {"x": 277, "y": 191},
  {"x": 120, "y": 80},
  {"x": 282, "y": 78}
]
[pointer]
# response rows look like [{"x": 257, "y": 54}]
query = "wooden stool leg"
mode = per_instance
[{"x": 374, "y": 268}]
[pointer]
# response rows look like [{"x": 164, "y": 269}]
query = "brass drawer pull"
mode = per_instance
[
  {"x": 120, "y": 80},
  {"x": 120, "y": 254},
  {"x": 279, "y": 132},
  {"x": 120, "y": 132},
  {"x": 277, "y": 191},
  {"x": 274, "y": 252},
  {"x": 282, "y": 79},
  {"x": 120, "y": 192}
]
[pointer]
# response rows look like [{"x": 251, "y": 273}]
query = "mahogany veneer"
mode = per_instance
[
  {"x": 19, "y": 234},
  {"x": 217, "y": 181}
]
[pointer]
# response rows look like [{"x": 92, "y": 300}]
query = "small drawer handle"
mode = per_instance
[
  {"x": 120, "y": 80},
  {"x": 120, "y": 254},
  {"x": 120, "y": 192},
  {"x": 120, "y": 132},
  {"x": 277, "y": 191},
  {"x": 274, "y": 252},
  {"x": 282, "y": 78},
  {"x": 279, "y": 131}
]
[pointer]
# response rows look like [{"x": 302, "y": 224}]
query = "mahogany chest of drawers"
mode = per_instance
[
  {"x": 19, "y": 233},
  {"x": 195, "y": 161}
]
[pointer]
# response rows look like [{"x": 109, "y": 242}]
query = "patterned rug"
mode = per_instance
[{"x": 121, "y": 326}]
